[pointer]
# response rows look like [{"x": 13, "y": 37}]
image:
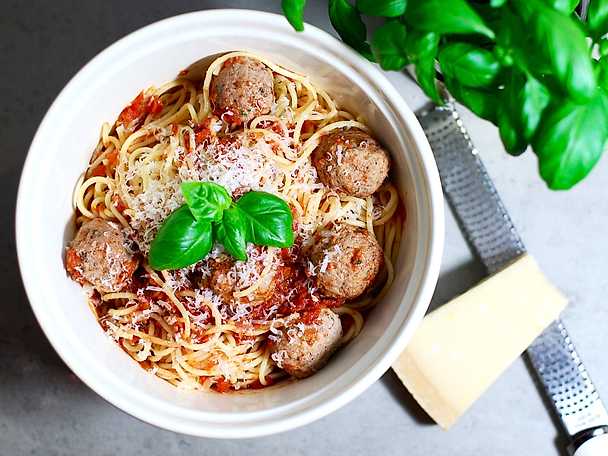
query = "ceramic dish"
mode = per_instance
[{"x": 62, "y": 148}]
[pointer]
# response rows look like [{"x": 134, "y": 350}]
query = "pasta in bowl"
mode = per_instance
[
  {"x": 222, "y": 323},
  {"x": 234, "y": 228}
]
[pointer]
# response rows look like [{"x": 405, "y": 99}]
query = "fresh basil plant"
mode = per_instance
[
  {"x": 534, "y": 68},
  {"x": 209, "y": 215}
]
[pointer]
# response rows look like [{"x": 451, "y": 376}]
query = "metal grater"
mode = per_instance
[{"x": 490, "y": 232}]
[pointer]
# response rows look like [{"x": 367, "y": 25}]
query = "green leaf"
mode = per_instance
[
  {"x": 479, "y": 101},
  {"x": 503, "y": 56},
  {"x": 571, "y": 139},
  {"x": 532, "y": 99},
  {"x": 425, "y": 75},
  {"x": 522, "y": 103},
  {"x": 510, "y": 43},
  {"x": 231, "y": 232},
  {"x": 389, "y": 44},
  {"x": 513, "y": 49},
  {"x": 181, "y": 241},
  {"x": 563, "y": 6},
  {"x": 604, "y": 47},
  {"x": 470, "y": 65},
  {"x": 421, "y": 50},
  {"x": 421, "y": 45},
  {"x": 346, "y": 20},
  {"x": 385, "y": 8},
  {"x": 497, "y": 3},
  {"x": 509, "y": 133},
  {"x": 602, "y": 67},
  {"x": 206, "y": 200},
  {"x": 558, "y": 40},
  {"x": 446, "y": 16},
  {"x": 294, "y": 12},
  {"x": 268, "y": 219},
  {"x": 597, "y": 18}
]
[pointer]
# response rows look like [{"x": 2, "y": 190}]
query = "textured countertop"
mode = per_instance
[{"x": 46, "y": 410}]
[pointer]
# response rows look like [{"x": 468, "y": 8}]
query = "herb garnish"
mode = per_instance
[
  {"x": 532, "y": 67},
  {"x": 209, "y": 215}
]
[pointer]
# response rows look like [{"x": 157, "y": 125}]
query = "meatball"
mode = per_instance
[
  {"x": 347, "y": 260},
  {"x": 228, "y": 276},
  {"x": 99, "y": 256},
  {"x": 303, "y": 349},
  {"x": 352, "y": 162},
  {"x": 242, "y": 90},
  {"x": 219, "y": 281}
]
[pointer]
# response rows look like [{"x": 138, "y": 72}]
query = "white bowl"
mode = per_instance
[{"x": 60, "y": 152}]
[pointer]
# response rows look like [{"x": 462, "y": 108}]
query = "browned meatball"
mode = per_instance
[
  {"x": 303, "y": 349},
  {"x": 242, "y": 90},
  {"x": 347, "y": 260},
  {"x": 229, "y": 276},
  {"x": 351, "y": 161},
  {"x": 99, "y": 256},
  {"x": 219, "y": 281}
]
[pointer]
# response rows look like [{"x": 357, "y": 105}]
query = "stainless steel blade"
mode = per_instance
[{"x": 492, "y": 235}]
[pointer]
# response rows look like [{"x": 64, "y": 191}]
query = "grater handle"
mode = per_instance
[{"x": 591, "y": 443}]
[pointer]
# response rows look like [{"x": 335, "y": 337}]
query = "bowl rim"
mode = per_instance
[{"x": 422, "y": 296}]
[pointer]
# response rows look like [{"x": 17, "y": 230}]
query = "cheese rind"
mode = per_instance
[{"x": 461, "y": 348}]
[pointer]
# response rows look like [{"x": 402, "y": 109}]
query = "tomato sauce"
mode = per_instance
[
  {"x": 135, "y": 113},
  {"x": 99, "y": 170},
  {"x": 203, "y": 132},
  {"x": 72, "y": 263},
  {"x": 293, "y": 292},
  {"x": 222, "y": 385}
]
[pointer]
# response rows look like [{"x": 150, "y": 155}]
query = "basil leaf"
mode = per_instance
[
  {"x": 231, "y": 233},
  {"x": 558, "y": 40},
  {"x": 421, "y": 50},
  {"x": 446, "y": 16},
  {"x": 388, "y": 45},
  {"x": 522, "y": 103},
  {"x": 385, "y": 8},
  {"x": 563, "y": 6},
  {"x": 294, "y": 12},
  {"x": 516, "y": 50},
  {"x": 602, "y": 72},
  {"x": 531, "y": 100},
  {"x": 181, "y": 241},
  {"x": 510, "y": 134},
  {"x": 509, "y": 41},
  {"x": 479, "y": 101},
  {"x": 425, "y": 75},
  {"x": 206, "y": 200},
  {"x": 604, "y": 47},
  {"x": 490, "y": 15},
  {"x": 570, "y": 140},
  {"x": 347, "y": 22},
  {"x": 597, "y": 18},
  {"x": 421, "y": 44},
  {"x": 268, "y": 219},
  {"x": 469, "y": 65}
]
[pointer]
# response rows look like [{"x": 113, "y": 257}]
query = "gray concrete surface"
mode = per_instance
[{"x": 46, "y": 410}]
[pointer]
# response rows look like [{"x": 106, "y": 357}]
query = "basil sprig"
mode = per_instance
[
  {"x": 529, "y": 66},
  {"x": 294, "y": 12},
  {"x": 388, "y": 8},
  {"x": 267, "y": 218},
  {"x": 181, "y": 241},
  {"x": 347, "y": 21},
  {"x": 206, "y": 200},
  {"x": 209, "y": 215}
]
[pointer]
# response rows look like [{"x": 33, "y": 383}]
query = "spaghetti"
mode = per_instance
[{"x": 172, "y": 322}]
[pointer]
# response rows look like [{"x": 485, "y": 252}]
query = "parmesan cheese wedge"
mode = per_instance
[{"x": 461, "y": 348}]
